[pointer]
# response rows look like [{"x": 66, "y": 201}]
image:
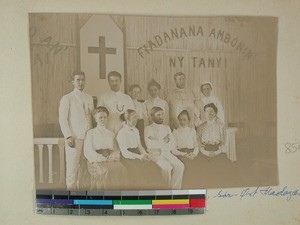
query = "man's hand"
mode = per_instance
[{"x": 71, "y": 142}]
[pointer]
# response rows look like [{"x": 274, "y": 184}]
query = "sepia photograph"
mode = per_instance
[{"x": 132, "y": 102}]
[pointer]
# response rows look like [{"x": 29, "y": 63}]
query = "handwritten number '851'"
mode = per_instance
[{"x": 292, "y": 147}]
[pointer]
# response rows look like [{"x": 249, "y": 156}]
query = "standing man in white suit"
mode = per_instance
[
  {"x": 75, "y": 119},
  {"x": 115, "y": 101}
]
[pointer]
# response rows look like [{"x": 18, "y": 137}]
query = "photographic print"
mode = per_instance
[{"x": 124, "y": 102}]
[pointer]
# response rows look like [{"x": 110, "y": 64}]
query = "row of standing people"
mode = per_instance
[
  {"x": 178, "y": 99},
  {"x": 75, "y": 117}
]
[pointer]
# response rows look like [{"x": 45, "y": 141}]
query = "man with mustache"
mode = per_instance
[
  {"x": 75, "y": 119},
  {"x": 115, "y": 101},
  {"x": 179, "y": 99},
  {"x": 161, "y": 146}
]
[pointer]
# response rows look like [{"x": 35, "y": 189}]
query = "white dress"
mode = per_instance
[
  {"x": 186, "y": 138},
  {"x": 98, "y": 144},
  {"x": 128, "y": 138},
  {"x": 211, "y": 137},
  {"x": 140, "y": 109}
]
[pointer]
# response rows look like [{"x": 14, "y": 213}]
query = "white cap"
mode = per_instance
[{"x": 204, "y": 83}]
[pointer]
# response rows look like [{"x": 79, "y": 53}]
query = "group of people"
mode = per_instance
[{"x": 131, "y": 133}]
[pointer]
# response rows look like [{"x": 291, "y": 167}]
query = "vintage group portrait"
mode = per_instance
[{"x": 124, "y": 102}]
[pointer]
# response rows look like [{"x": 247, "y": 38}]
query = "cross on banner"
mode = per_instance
[{"x": 102, "y": 51}]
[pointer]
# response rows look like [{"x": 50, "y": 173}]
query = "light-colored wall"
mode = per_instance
[{"x": 246, "y": 87}]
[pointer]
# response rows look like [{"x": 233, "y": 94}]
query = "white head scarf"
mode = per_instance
[{"x": 206, "y": 82}]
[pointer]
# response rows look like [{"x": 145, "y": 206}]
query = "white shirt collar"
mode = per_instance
[
  {"x": 78, "y": 92},
  {"x": 156, "y": 125},
  {"x": 116, "y": 92},
  {"x": 101, "y": 128}
]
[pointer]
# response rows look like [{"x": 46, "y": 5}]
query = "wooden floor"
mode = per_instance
[{"x": 256, "y": 165}]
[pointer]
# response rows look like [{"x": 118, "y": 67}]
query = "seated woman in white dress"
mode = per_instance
[
  {"x": 140, "y": 108},
  {"x": 104, "y": 166},
  {"x": 128, "y": 139},
  {"x": 185, "y": 137},
  {"x": 207, "y": 97},
  {"x": 187, "y": 147},
  {"x": 211, "y": 134},
  {"x": 156, "y": 101}
]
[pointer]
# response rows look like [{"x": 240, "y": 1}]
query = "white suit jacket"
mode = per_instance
[
  {"x": 154, "y": 135},
  {"x": 75, "y": 114}
]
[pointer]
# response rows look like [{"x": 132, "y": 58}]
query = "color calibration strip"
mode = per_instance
[{"x": 121, "y": 203}]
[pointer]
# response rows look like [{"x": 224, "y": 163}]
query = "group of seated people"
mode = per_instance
[{"x": 131, "y": 134}]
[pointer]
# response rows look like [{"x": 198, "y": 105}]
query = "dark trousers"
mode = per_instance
[
  {"x": 143, "y": 174},
  {"x": 191, "y": 168}
]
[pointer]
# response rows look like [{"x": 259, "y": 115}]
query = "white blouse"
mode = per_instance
[
  {"x": 128, "y": 137},
  {"x": 185, "y": 137},
  {"x": 212, "y": 132},
  {"x": 140, "y": 109},
  {"x": 97, "y": 138}
]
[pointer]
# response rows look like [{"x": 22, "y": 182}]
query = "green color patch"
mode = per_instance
[{"x": 132, "y": 202}]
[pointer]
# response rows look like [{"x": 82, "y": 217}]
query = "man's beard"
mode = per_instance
[{"x": 180, "y": 86}]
